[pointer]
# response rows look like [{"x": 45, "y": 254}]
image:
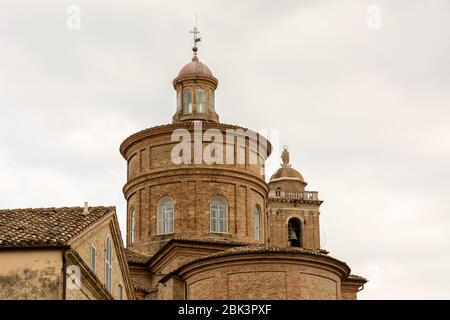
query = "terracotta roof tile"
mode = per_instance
[
  {"x": 142, "y": 287},
  {"x": 134, "y": 257},
  {"x": 356, "y": 278},
  {"x": 256, "y": 248},
  {"x": 261, "y": 248},
  {"x": 55, "y": 227},
  {"x": 228, "y": 241}
]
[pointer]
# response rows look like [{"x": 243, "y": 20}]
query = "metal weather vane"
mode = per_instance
[{"x": 195, "y": 33}]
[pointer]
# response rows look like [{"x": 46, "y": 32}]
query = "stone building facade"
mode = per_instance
[
  {"x": 202, "y": 223},
  {"x": 63, "y": 254}
]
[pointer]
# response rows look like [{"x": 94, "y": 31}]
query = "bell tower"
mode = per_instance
[{"x": 293, "y": 211}]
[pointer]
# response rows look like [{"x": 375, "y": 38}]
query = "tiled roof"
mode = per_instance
[
  {"x": 266, "y": 249},
  {"x": 262, "y": 249},
  {"x": 356, "y": 278},
  {"x": 196, "y": 240},
  {"x": 227, "y": 241},
  {"x": 257, "y": 248},
  {"x": 134, "y": 257},
  {"x": 141, "y": 287},
  {"x": 54, "y": 227}
]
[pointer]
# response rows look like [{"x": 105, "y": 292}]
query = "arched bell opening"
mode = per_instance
[{"x": 295, "y": 232}]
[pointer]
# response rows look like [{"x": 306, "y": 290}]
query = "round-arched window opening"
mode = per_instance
[
  {"x": 218, "y": 215},
  {"x": 200, "y": 101},
  {"x": 165, "y": 216},
  {"x": 187, "y": 101},
  {"x": 295, "y": 232}
]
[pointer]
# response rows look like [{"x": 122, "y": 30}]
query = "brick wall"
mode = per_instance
[
  {"x": 308, "y": 214},
  {"x": 153, "y": 175},
  {"x": 260, "y": 277}
]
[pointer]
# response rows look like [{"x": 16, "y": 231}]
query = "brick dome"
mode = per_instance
[
  {"x": 195, "y": 86},
  {"x": 286, "y": 178},
  {"x": 287, "y": 172},
  {"x": 195, "y": 67}
]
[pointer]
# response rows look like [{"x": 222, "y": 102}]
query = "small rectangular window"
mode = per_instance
[
  {"x": 219, "y": 216},
  {"x": 165, "y": 216},
  {"x": 201, "y": 101},
  {"x": 93, "y": 259}
]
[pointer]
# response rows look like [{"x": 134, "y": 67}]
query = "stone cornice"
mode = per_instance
[
  {"x": 196, "y": 78},
  {"x": 247, "y": 254},
  {"x": 355, "y": 280},
  {"x": 290, "y": 200},
  {"x": 194, "y": 171},
  {"x": 173, "y": 246},
  {"x": 189, "y": 125},
  {"x": 121, "y": 255},
  {"x": 88, "y": 278}
]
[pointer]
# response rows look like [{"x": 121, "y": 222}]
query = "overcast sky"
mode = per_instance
[{"x": 365, "y": 112}]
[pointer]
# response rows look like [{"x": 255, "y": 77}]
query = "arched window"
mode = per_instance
[
  {"x": 132, "y": 225},
  {"x": 187, "y": 101},
  {"x": 165, "y": 215},
  {"x": 219, "y": 215},
  {"x": 257, "y": 222},
  {"x": 295, "y": 232},
  {"x": 200, "y": 100},
  {"x": 108, "y": 263}
]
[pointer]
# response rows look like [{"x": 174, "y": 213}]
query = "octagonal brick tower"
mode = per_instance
[{"x": 182, "y": 174}]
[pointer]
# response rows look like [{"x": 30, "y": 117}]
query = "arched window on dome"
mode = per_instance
[
  {"x": 165, "y": 215},
  {"x": 187, "y": 101},
  {"x": 295, "y": 232},
  {"x": 257, "y": 223},
  {"x": 219, "y": 215},
  {"x": 200, "y": 100}
]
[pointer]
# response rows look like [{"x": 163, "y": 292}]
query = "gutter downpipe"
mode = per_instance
[{"x": 64, "y": 270}]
